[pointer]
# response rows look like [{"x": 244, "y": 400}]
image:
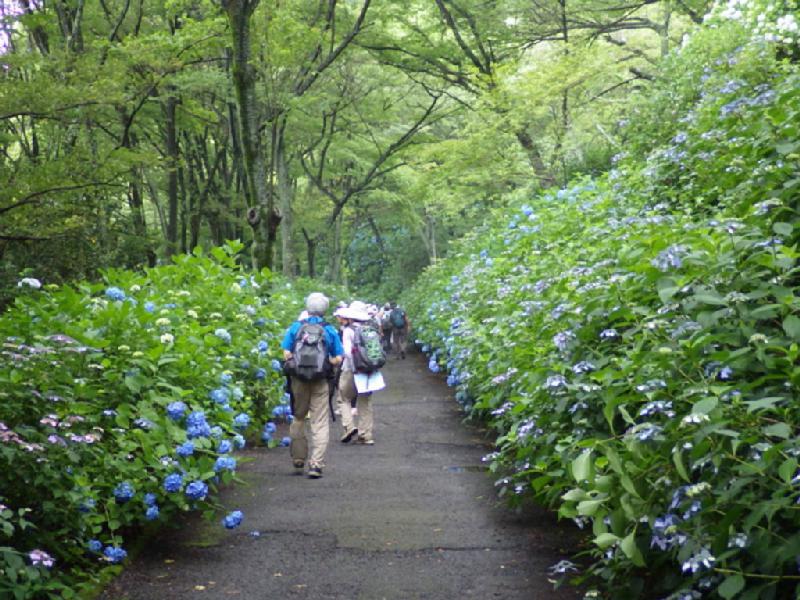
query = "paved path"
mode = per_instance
[{"x": 414, "y": 516}]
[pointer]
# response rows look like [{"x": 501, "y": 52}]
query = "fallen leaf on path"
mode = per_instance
[
  {"x": 277, "y": 574},
  {"x": 169, "y": 561},
  {"x": 199, "y": 588}
]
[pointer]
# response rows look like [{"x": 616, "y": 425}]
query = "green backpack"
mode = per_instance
[{"x": 368, "y": 354}]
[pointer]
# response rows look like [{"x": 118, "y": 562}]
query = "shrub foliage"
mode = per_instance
[{"x": 633, "y": 339}]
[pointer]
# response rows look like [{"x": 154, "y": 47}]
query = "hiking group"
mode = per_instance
[{"x": 322, "y": 363}]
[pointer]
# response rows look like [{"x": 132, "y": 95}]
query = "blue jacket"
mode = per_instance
[{"x": 332, "y": 341}]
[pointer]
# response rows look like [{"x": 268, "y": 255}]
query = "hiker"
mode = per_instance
[
  {"x": 400, "y": 327},
  {"x": 363, "y": 356},
  {"x": 386, "y": 327},
  {"x": 311, "y": 348}
]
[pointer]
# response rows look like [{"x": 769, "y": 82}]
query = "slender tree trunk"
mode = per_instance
[
  {"x": 664, "y": 30},
  {"x": 262, "y": 215},
  {"x": 311, "y": 251},
  {"x": 286, "y": 196},
  {"x": 172, "y": 175},
  {"x": 136, "y": 204},
  {"x": 335, "y": 272}
]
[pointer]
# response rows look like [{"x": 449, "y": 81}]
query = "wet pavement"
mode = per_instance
[{"x": 414, "y": 516}]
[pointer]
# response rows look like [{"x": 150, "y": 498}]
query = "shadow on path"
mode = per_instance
[{"x": 414, "y": 516}]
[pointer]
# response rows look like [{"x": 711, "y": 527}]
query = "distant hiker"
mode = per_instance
[
  {"x": 312, "y": 349},
  {"x": 363, "y": 357},
  {"x": 386, "y": 326},
  {"x": 400, "y": 327}
]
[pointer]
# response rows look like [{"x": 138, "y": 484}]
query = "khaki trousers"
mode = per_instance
[
  {"x": 347, "y": 391},
  {"x": 399, "y": 340},
  {"x": 310, "y": 397}
]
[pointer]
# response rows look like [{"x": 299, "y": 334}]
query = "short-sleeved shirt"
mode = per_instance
[{"x": 332, "y": 341}]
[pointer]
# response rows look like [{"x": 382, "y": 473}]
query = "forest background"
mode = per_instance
[{"x": 344, "y": 140}]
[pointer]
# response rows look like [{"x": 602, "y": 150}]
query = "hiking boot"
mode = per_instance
[
  {"x": 403, "y": 355},
  {"x": 367, "y": 442},
  {"x": 314, "y": 472},
  {"x": 349, "y": 435},
  {"x": 298, "y": 463}
]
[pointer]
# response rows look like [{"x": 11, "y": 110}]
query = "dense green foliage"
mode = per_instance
[
  {"x": 133, "y": 131},
  {"x": 101, "y": 384},
  {"x": 633, "y": 338}
]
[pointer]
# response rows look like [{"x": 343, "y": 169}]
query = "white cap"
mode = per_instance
[{"x": 317, "y": 303}]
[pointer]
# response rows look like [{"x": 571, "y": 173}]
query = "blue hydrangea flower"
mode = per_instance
[
  {"x": 225, "y": 378},
  {"x": 223, "y": 334},
  {"x": 197, "y": 431},
  {"x": 114, "y": 554},
  {"x": 237, "y": 393},
  {"x": 114, "y": 293},
  {"x": 149, "y": 306},
  {"x": 260, "y": 374},
  {"x": 276, "y": 365},
  {"x": 225, "y": 463},
  {"x": 262, "y": 346},
  {"x": 224, "y": 447},
  {"x": 175, "y": 410},
  {"x": 185, "y": 449},
  {"x": 123, "y": 492},
  {"x": 286, "y": 441},
  {"x": 238, "y": 441},
  {"x": 216, "y": 432},
  {"x": 270, "y": 427},
  {"x": 149, "y": 499},
  {"x": 152, "y": 513},
  {"x": 260, "y": 322},
  {"x": 87, "y": 505},
  {"x": 220, "y": 395},
  {"x": 95, "y": 546},
  {"x": 266, "y": 437},
  {"x": 196, "y": 490},
  {"x": 233, "y": 519},
  {"x": 241, "y": 421},
  {"x": 173, "y": 483}
]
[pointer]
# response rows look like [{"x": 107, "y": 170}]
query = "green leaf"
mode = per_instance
[
  {"x": 631, "y": 550},
  {"x": 575, "y": 495},
  {"x": 767, "y": 402},
  {"x": 788, "y": 469},
  {"x": 791, "y": 325},
  {"x": 710, "y": 298},
  {"x": 782, "y": 228},
  {"x": 704, "y": 406},
  {"x": 679, "y": 466},
  {"x": 781, "y": 430},
  {"x": 732, "y": 585},
  {"x": 604, "y": 540},
  {"x": 588, "y": 507},
  {"x": 582, "y": 466}
]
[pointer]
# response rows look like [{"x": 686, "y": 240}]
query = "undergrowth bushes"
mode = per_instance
[
  {"x": 121, "y": 404},
  {"x": 633, "y": 340}
]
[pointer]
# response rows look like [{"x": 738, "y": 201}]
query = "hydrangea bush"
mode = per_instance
[
  {"x": 120, "y": 405},
  {"x": 633, "y": 339}
]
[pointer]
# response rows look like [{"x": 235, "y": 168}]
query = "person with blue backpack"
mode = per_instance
[
  {"x": 363, "y": 356},
  {"x": 400, "y": 327},
  {"x": 312, "y": 350}
]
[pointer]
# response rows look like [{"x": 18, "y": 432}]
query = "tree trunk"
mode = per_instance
[
  {"x": 541, "y": 172},
  {"x": 262, "y": 216},
  {"x": 311, "y": 252},
  {"x": 136, "y": 205},
  {"x": 335, "y": 271},
  {"x": 172, "y": 175},
  {"x": 286, "y": 197},
  {"x": 664, "y": 30}
]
